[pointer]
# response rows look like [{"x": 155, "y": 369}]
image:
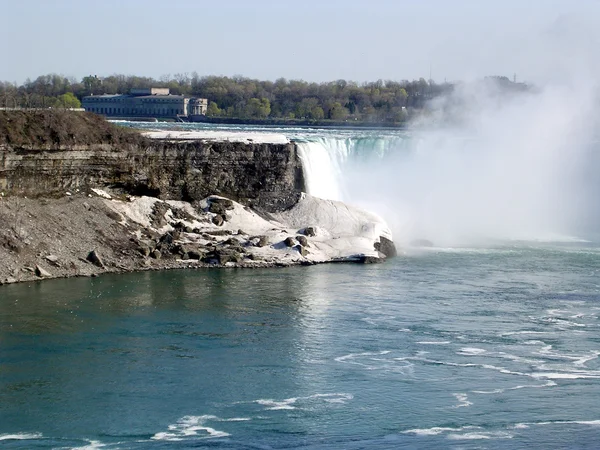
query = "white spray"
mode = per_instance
[{"x": 485, "y": 165}]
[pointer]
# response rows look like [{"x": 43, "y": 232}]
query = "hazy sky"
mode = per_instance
[{"x": 316, "y": 40}]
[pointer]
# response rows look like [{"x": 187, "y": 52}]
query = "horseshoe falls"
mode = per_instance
[
  {"x": 461, "y": 189},
  {"x": 328, "y": 160}
]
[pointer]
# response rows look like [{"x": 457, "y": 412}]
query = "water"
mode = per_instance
[{"x": 463, "y": 348}]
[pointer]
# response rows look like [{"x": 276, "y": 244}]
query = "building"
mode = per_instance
[{"x": 148, "y": 102}]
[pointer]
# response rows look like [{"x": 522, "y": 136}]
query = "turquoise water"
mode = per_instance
[{"x": 461, "y": 348}]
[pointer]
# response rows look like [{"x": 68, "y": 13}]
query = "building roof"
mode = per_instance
[
  {"x": 106, "y": 96},
  {"x": 110, "y": 96},
  {"x": 159, "y": 96}
]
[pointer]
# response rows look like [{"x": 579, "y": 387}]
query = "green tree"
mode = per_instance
[
  {"x": 337, "y": 112},
  {"x": 317, "y": 113},
  {"x": 402, "y": 95},
  {"x": 256, "y": 108},
  {"x": 68, "y": 100},
  {"x": 213, "y": 110}
]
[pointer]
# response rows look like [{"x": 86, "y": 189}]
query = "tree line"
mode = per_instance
[{"x": 244, "y": 98}]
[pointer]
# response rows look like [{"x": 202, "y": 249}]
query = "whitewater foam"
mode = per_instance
[
  {"x": 434, "y": 431},
  {"x": 191, "y": 427},
  {"x": 463, "y": 400},
  {"x": 20, "y": 436},
  {"x": 92, "y": 445},
  {"x": 593, "y": 423},
  {"x": 470, "y": 351},
  {"x": 304, "y": 402},
  {"x": 479, "y": 435},
  {"x": 274, "y": 405}
]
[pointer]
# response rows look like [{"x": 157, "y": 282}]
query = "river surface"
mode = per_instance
[{"x": 444, "y": 348}]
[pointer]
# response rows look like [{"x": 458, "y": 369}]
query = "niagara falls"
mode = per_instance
[{"x": 315, "y": 225}]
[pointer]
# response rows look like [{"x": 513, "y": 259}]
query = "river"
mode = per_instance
[{"x": 495, "y": 347}]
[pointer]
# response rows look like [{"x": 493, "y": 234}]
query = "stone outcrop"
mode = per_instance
[{"x": 267, "y": 176}]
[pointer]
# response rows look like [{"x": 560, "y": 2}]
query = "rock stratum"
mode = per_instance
[{"x": 80, "y": 197}]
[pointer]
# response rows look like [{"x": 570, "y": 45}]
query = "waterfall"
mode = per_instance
[
  {"x": 323, "y": 165},
  {"x": 456, "y": 186},
  {"x": 332, "y": 165}
]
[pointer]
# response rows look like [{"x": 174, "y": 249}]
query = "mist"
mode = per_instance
[{"x": 493, "y": 164}]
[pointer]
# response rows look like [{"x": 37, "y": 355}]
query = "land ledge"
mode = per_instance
[{"x": 90, "y": 233}]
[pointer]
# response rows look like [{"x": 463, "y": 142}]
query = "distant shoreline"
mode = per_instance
[{"x": 300, "y": 123}]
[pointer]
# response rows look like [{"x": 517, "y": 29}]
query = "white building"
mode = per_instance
[{"x": 150, "y": 102}]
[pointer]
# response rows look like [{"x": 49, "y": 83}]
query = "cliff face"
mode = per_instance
[{"x": 266, "y": 176}]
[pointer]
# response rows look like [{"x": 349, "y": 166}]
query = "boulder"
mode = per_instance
[
  {"x": 224, "y": 202},
  {"x": 166, "y": 238},
  {"x": 194, "y": 254},
  {"x": 232, "y": 241},
  {"x": 263, "y": 241},
  {"x": 302, "y": 241},
  {"x": 386, "y": 247},
  {"x": 144, "y": 250},
  {"x": 218, "y": 220},
  {"x": 217, "y": 209},
  {"x": 52, "y": 259},
  {"x": 158, "y": 214},
  {"x": 301, "y": 250},
  {"x": 364, "y": 259},
  {"x": 156, "y": 254},
  {"x": 177, "y": 249},
  {"x": 289, "y": 241},
  {"x": 40, "y": 272},
  {"x": 95, "y": 259},
  {"x": 309, "y": 231},
  {"x": 223, "y": 256}
]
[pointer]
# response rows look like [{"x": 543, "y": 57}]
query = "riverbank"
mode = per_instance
[
  {"x": 298, "y": 122},
  {"x": 90, "y": 233}
]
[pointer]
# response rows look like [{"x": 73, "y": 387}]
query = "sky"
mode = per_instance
[{"x": 313, "y": 40}]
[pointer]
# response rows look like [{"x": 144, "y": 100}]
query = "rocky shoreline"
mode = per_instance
[{"x": 90, "y": 233}]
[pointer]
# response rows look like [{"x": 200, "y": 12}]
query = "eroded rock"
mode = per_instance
[
  {"x": 218, "y": 220},
  {"x": 95, "y": 259},
  {"x": 302, "y": 240},
  {"x": 386, "y": 247},
  {"x": 309, "y": 231},
  {"x": 301, "y": 249},
  {"x": 41, "y": 272}
]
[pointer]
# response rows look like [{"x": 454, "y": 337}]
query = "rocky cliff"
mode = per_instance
[{"x": 46, "y": 154}]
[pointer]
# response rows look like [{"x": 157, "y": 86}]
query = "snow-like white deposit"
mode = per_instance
[
  {"x": 214, "y": 135},
  {"x": 341, "y": 232}
]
